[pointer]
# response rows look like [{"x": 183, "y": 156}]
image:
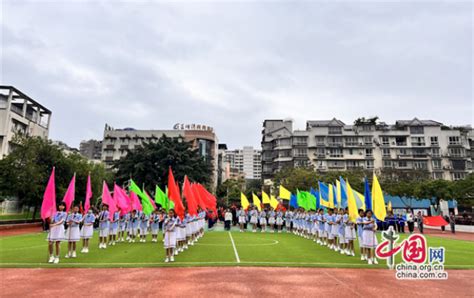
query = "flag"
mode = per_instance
[
  {"x": 315, "y": 194},
  {"x": 338, "y": 194},
  {"x": 200, "y": 201},
  {"x": 331, "y": 195},
  {"x": 389, "y": 207},
  {"x": 48, "y": 206},
  {"x": 265, "y": 198},
  {"x": 303, "y": 198},
  {"x": 274, "y": 202},
  {"x": 285, "y": 194},
  {"x": 147, "y": 207},
  {"x": 189, "y": 195},
  {"x": 209, "y": 200},
  {"x": 380, "y": 210},
  {"x": 108, "y": 200},
  {"x": 323, "y": 195},
  {"x": 343, "y": 193},
  {"x": 174, "y": 194},
  {"x": 121, "y": 199},
  {"x": 351, "y": 203},
  {"x": 256, "y": 202},
  {"x": 150, "y": 200},
  {"x": 168, "y": 203},
  {"x": 367, "y": 196},
  {"x": 70, "y": 193},
  {"x": 135, "y": 202},
  {"x": 294, "y": 201},
  {"x": 360, "y": 199},
  {"x": 244, "y": 202},
  {"x": 87, "y": 203},
  {"x": 160, "y": 196}
]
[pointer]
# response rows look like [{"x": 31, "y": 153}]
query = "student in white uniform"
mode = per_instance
[
  {"x": 134, "y": 222},
  {"x": 169, "y": 227},
  {"x": 254, "y": 218},
  {"x": 279, "y": 220},
  {"x": 271, "y": 220},
  {"x": 360, "y": 234},
  {"x": 143, "y": 226},
  {"x": 350, "y": 233},
  {"x": 155, "y": 225},
  {"x": 56, "y": 233},
  {"x": 103, "y": 226},
  {"x": 73, "y": 220},
  {"x": 263, "y": 220},
  {"x": 87, "y": 230},
  {"x": 113, "y": 228},
  {"x": 370, "y": 239},
  {"x": 242, "y": 218}
]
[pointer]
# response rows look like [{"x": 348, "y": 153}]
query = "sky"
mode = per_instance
[{"x": 231, "y": 65}]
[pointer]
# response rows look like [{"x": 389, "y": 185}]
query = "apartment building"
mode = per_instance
[{"x": 246, "y": 162}]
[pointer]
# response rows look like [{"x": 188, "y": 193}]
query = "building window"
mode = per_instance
[
  {"x": 401, "y": 141},
  {"x": 387, "y": 163},
  {"x": 419, "y": 152},
  {"x": 367, "y": 140},
  {"x": 403, "y": 151},
  {"x": 421, "y": 164},
  {"x": 320, "y": 140},
  {"x": 3, "y": 101},
  {"x": 352, "y": 164},
  {"x": 300, "y": 152},
  {"x": 402, "y": 164},
  {"x": 367, "y": 127},
  {"x": 434, "y": 141},
  {"x": 416, "y": 130},
  {"x": 335, "y": 130},
  {"x": 454, "y": 141},
  {"x": 369, "y": 164},
  {"x": 435, "y": 152},
  {"x": 385, "y": 141},
  {"x": 386, "y": 152},
  {"x": 437, "y": 175},
  {"x": 351, "y": 152},
  {"x": 335, "y": 141},
  {"x": 459, "y": 165},
  {"x": 300, "y": 141},
  {"x": 352, "y": 141},
  {"x": 458, "y": 176},
  {"x": 456, "y": 152},
  {"x": 436, "y": 164},
  {"x": 417, "y": 141},
  {"x": 368, "y": 152},
  {"x": 320, "y": 152},
  {"x": 335, "y": 152}
]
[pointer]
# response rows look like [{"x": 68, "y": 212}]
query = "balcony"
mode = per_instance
[{"x": 335, "y": 144}]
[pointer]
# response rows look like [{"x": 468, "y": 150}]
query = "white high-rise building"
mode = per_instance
[{"x": 245, "y": 162}]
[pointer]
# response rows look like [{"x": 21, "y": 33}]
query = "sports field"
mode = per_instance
[{"x": 216, "y": 248}]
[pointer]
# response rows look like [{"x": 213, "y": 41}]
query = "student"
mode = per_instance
[
  {"x": 263, "y": 220},
  {"x": 103, "y": 226},
  {"x": 370, "y": 239},
  {"x": 350, "y": 233},
  {"x": 227, "y": 219},
  {"x": 169, "y": 226},
  {"x": 419, "y": 221},
  {"x": 73, "y": 220},
  {"x": 329, "y": 223},
  {"x": 189, "y": 230},
  {"x": 122, "y": 227},
  {"x": 335, "y": 229},
  {"x": 87, "y": 230},
  {"x": 279, "y": 220},
  {"x": 134, "y": 222},
  {"x": 271, "y": 220},
  {"x": 113, "y": 230},
  {"x": 321, "y": 231},
  {"x": 155, "y": 225},
  {"x": 242, "y": 218},
  {"x": 56, "y": 233},
  {"x": 254, "y": 218},
  {"x": 288, "y": 219},
  {"x": 180, "y": 235},
  {"x": 342, "y": 232},
  {"x": 401, "y": 222},
  {"x": 410, "y": 221},
  {"x": 143, "y": 226},
  {"x": 360, "y": 234},
  {"x": 452, "y": 223}
]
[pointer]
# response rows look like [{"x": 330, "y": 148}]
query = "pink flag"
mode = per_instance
[
  {"x": 69, "y": 196},
  {"x": 87, "y": 204},
  {"x": 135, "y": 202},
  {"x": 151, "y": 201},
  {"x": 121, "y": 199},
  {"x": 108, "y": 200},
  {"x": 48, "y": 207}
]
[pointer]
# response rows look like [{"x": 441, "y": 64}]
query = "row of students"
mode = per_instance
[
  {"x": 179, "y": 233},
  {"x": 273, "y": 219}
]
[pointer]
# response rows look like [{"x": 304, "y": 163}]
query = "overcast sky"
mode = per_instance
[{"x": 231, "y": 65}]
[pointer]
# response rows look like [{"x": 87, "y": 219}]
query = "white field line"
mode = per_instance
[{"x": 235, "y": 248}]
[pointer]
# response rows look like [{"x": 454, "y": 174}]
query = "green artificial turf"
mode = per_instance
[{"x": 214, "y": 249}]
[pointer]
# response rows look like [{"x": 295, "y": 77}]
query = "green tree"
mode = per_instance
[
  {"x": 149, "y": 163},
  {"x": 25, "y": 171},
  {"x": 229, "y": 191}
]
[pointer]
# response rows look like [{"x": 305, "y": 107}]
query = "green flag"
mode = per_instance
[
  {"x": 304, "y": 200},
  {"x": 160, "y": 196},
  {"x": 168, "y": 203},
  {"x": 146, "y": 204}
]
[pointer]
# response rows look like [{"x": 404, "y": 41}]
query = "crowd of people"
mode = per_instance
[{"x": 178, "y": 233}]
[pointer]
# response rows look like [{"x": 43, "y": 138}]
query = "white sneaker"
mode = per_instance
[
  {"x": 175, "y": 252},
  {"x": 86, "y": 250},
  {"x": 74, "y": 254},
  {"x": 370, "y": 261},
  {"x": 375, "y": 261},
  {"x": 67, "y": 256},
  {"x": 129, "y": 240},
  {"x": 362, "y": 258},
  {"x": 342, "y": 252},
  {"x": 105, "y": 245},
  {"x": 353, "y": 254},
  {"x": 113, "y": 243},
  {"x": 51, "y": 259},
  {"x": 167, "y": 260},
  {"x": 56, "y": 260},
  {"x": 172, "y": 259}
]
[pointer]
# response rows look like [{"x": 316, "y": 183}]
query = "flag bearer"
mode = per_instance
[
  {"x": 254, "y": 218},
  {"x": 73, "y": 220},
  {"x": 113, "y": 230},
  {"x": 341, "y": 232},
  {"x": 143, "y": 226},
  {"x": 360, "y": 229},
  {"x": 271, "y": 220},
  {"x": 103, "y": 226},
  {"x": 263, "y": 220},
  {"x": 369, "y": 237},
  {"x": 134, "y": 222},
  {"x": 155, "y": 225},
  {"x": 350, "y": 233},
  {"x": 321, "y": 230},
  {"x": 56, "y": 233},
  {"x": 288, "y": 220},
  {"x": 122, "y": 227},
  {"x": 329, "y": 223},
  {"x": 169, "y": 227},
  {"x": 87, "y": 230},
  {"x": 279, "y": 220}
]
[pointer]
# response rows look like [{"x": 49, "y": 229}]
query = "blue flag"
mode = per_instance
[
  {"x": 343, "y": 193},
  {"x": 294, "y": 201},
  {"x": 367, "y": 195},
  {"x": 315, "y": 193}
]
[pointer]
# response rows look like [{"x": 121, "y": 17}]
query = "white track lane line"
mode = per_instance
[{"x": 235, "y": 248}]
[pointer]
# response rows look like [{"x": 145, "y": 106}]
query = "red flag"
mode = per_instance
[
  {"x": 108, "y": 200},
  {"x": 174, "y": 195},
  {"x": 87, "y": 204},
  {"x": 200, "y": 201},
  {"x": 48, "y": 206},
  {"x": 189, "y": 195},
  {"x": 209, "y": 199},
  {"x": 69, "y": 196},
  {"x": 436, "y": 221}
]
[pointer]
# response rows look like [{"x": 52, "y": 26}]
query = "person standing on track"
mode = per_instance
[
  {"x": 452, "y": 223},
  {"x": 227, "y": 219},
  {"x": 56, "y": 233},
  {"x": 410, "y": 221}
]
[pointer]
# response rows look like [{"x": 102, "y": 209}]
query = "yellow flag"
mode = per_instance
[
  {"x": 331, "y": 196},
  {"x": 389, "y": 207},
  {"x": 378, "y": 202},
  {"x": 256, "y": 202},
  {"x": 274, "y": 202},
  {"x": 265, "y": 198},
  {"x": 351, "y": 203},
  {"x": 285, "y": 194},
  {"x": 360, "y": 199},
  {"x": 244, "y": 202},
  {"x": 338, "y": 194}
]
